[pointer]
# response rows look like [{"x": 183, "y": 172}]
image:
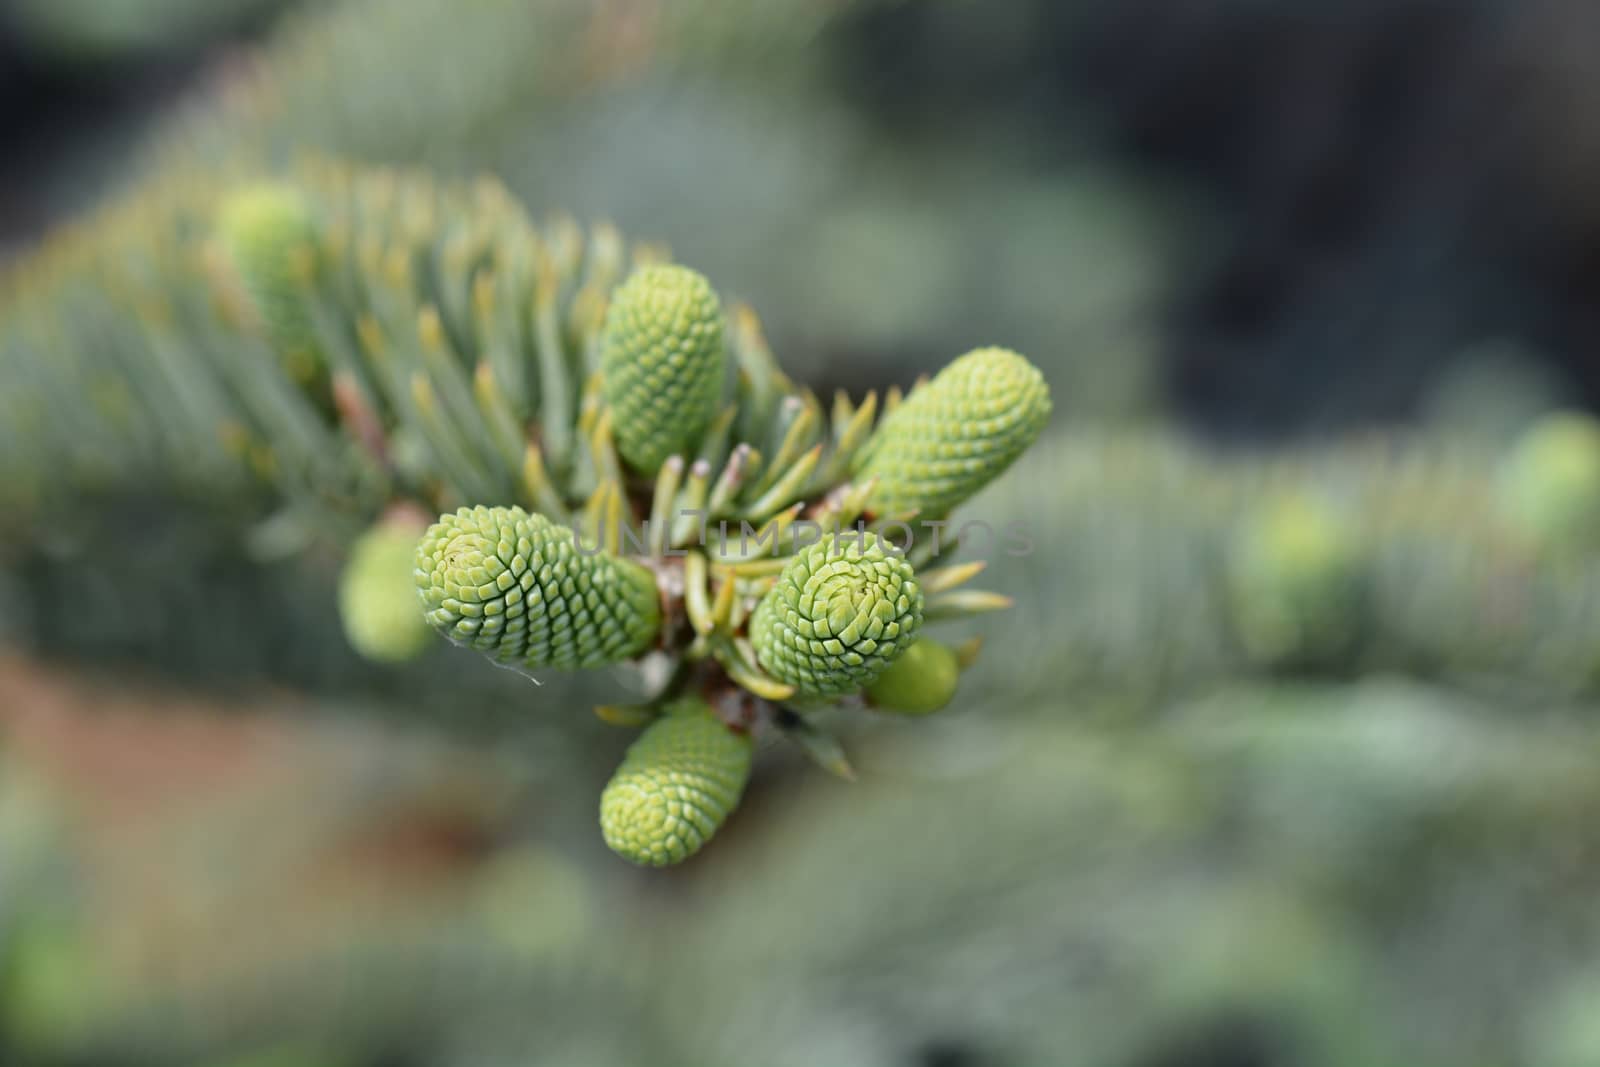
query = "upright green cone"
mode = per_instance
[
  {"x": 520, "y": 589},
  {"x": 265, "y": 230},
  {"x": 956, "y": 434},
  {"x": 840, "y": 612},
  {"x": 377, "y": 596},
  {"x": 662, "y": 358},
  {"x": 678, "y": 783}
]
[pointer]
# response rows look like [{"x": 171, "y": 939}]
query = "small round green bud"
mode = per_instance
[
  {"x": 662, "y": 358},
  {"x": 840, "y": 612},
  {"x": 1294, "y": 575},
  {"x": 266, "y": 230},
  {"x": 1550, "y": 486},
  {"x": 521, "y": 589},
  {"x": 921, "y": 681},
  {"x": 679, "y": 781},
  {"x": 378, "y": 598},
  {"x": 956, "y": 434}
]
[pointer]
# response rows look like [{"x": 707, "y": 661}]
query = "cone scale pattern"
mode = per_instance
[
  {"x": 366, "y": 342},
  {"x": 662, "y": 357},
  {"x": 956, "y": 434},
  {"x": 518, "y": 588},
  {"x": 841, "y": 611},
  {"x": 679, "y": 781}
]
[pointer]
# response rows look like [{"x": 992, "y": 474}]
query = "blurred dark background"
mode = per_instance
[
  {"x": 82, "y": 80},
  {"x": 1393, "y": 180}
]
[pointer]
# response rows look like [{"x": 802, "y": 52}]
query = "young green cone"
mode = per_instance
[
  {"x": 377, "y": 595},
  {"x": 840, "y": 612},
  {"x": 956, "y": 434},
  {"x": 919, "y": 682},
  {"x": 662, "y": 358},
  {"x": 678, "y": 783},
  {"x": 520, "y": 589},
  {"x": 265, "y": 229}
]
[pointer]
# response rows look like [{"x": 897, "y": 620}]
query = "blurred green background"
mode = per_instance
[{"x": 1255, "y": 229}]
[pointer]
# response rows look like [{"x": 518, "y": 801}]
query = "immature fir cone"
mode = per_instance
[
  {"x": 919, "y": 682},
  {"x": 956, "y": 434},
  {"x": 518, "y": 588},
  {"x": 662, "y": 358},
  {"x": 265, "y": 229},
  {"x": 841, "y": 611},
  {"x": 678, "y": 782},
  {"x": 377, "y": 595}
]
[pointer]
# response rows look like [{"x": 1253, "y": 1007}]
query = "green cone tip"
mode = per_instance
[
  {"x": 840, "y": 612},
  {"x": 956, "y": 434},
  {"x": 520, "y": 589},
  {"x": 677, "y": 784},
  {"x": 662, "y": 359}
]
